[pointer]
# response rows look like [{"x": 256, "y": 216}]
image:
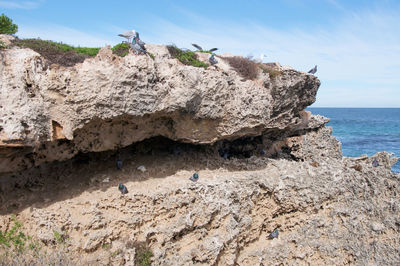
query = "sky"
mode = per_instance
[{"x": 356, "y": 44}]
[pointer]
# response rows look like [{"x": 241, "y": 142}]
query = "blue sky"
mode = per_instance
[{"x": 356, "y": 44}]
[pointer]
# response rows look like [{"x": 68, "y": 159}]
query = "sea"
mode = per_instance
[{"x": 365, "y": 130}]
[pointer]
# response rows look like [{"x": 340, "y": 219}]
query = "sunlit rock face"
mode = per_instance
[{"x": 49, "y": 112}]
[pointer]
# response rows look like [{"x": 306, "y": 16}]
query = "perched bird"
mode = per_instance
[
  {"x": 274, "y": 234},
  {"x": 122, "y": 188},
  {"x": 375, "y": 163},
  {"x": 313, "y": 70},
  {"x": 194, "y": 177},
  {"x": 223, "y": 153},
  {"x": 128, "y": 35},
  {"x": 142, "y": 168},
  {"x": 119, "y": 163},
  {"x": 138, "y": 45},
  {"x": 262, "y": 152},
  {"x": 212, "y": 60}
]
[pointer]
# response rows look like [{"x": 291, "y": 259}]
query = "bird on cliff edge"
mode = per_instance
[
  {"x": 274, "y": 234},
  {"x": 313, "y": 70},
  {"x": 128, "y": 35},
  {"x": 122, "y": 188},
  {"x": 212, "y": 60},
  {"x": 138, "y": 45},
  {"x": 194, "y": 177}
]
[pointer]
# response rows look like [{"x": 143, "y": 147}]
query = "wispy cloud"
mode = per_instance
[
  {"x": 360, "y": 47},
  {"x": 20, "y": 4}
]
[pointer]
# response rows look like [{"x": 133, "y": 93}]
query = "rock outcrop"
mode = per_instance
[
  {"x": 264, "y": 163},
  {"x": 52, "y": 113}
]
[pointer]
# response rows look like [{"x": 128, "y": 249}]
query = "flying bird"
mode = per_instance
[
  {"x": 122, "y": 188},
  {"x": 274, "y": 234},
  {"x": 194, "y": 177},
  {"x": 313, "y": 70},
  {"x": 128, "y": 35},
  {"x": 212, "y": 60},
  {"x": 198, "y": 47}
]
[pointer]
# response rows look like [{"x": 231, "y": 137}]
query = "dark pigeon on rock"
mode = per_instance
[
  {"x": 212, "y": 60},
  {"x": 194, "y": 177},
  {"x": 119, "y": 164},
  {"x": 274, "y": 234},
  {"x": 313, "y": 70},
  {"x": 375, "y": 163},
  {"x": 122, "y": 188}
]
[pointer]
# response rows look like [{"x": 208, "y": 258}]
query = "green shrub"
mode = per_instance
[
  {"x": 58, "y": 53},
  {"x": 14, "y": 236},
  {"x": 121, "y": 49},
  {"x": 2, "y": 45},
  {"x": 6, "y": 25},
  {"x": 185, "y": 57}
]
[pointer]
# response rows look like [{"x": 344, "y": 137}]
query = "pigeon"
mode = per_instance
[
  {"x": 212, "y": 60},
  {"x": 194, "y": 177},
  {"x": 142, "y": 168},
  {"x": 375, "y": 163},
  {"x": 123, "y": 189},
  {"x": 128, "y": 35},
  {"x": 198, "y": 47},
  {"x": 138, "y": 45},
  {"x": 119, "y": 164},
  {"x": 313, "y": 70},
  {"x": 262, "y": 152},
  {"x": 274, "y": 234}
]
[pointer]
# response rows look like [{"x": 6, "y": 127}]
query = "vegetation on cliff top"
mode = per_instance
[
  {"x": 185, "y": 57},
  {"x": 58, "y": 53}
]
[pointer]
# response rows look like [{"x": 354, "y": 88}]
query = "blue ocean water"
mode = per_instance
[{"x": 365, "y": 130}]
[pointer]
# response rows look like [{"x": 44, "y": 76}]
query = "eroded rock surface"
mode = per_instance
[{"x": 51, "y": 113}]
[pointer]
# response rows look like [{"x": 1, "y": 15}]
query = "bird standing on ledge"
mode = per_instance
[
  {"x": 313, "y": 70},
  {"x": 274, "y": 234},
  {"x": 194, "y": 177},
  {"x": 122, "y": 188}
]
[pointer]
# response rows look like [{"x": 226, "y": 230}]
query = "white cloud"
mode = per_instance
[
  {"x": 20, "y": 4},
  {"x": 360, "y": 48}
]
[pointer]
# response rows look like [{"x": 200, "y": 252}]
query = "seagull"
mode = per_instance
[
  {"x": 119, "y": 163},
  {"x": 128, "y": 35},
  {"x": 212, "y": 60},
  {"x": 194, "y": 177},
  {"x": 123, "y": 189},
  {"x": 313, "y": 70},
  {"x": 274, "y": 234},
  {"x": 198, "y": 47}
]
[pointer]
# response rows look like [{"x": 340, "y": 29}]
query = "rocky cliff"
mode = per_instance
[{"x": 264, "y": 163}]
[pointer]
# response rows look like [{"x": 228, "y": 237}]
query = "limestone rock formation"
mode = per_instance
[{"x": 52, "y": 113}]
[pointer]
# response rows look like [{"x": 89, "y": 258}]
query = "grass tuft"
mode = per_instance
[
  {"x": 273, "y": 73},
  {"x": 2, "y": 45},
  {"x": 185, "y": 57},
  {"x": 121, "y": 49},
  {"x": 58, "y": 53},
  {"x": 247, "y": 68}
]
